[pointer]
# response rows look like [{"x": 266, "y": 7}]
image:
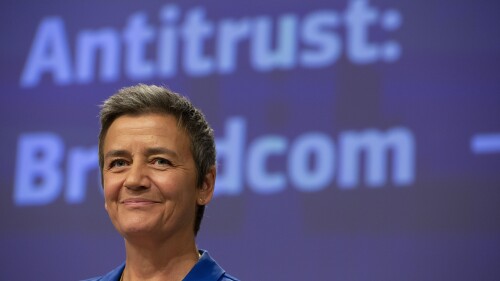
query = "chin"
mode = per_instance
[{"x": 136, "y": 225}]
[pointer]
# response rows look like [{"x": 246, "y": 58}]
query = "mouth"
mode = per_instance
[{"x": 138, "y": 202}]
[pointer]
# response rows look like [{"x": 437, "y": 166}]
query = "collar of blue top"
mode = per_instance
[{"x": 206, "y": 269}]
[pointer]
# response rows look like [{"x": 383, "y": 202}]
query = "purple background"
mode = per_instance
[{"x": 444, "y": 88}]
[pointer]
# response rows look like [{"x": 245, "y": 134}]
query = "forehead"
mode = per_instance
[{"x": 158, "y": 126}]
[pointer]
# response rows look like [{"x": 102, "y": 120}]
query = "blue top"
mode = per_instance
[{"x": 206, "y": 269}]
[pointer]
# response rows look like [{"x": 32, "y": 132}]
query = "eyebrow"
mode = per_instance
[
  {"x": 116, "y": 153},
  {"x": 149, "y": 151},
  {"x": 160, "y": 150}
]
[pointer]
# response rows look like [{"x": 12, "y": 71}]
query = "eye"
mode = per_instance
[
  {"x": 117, "y": 163},
  {"x": 161, "y": 162}
]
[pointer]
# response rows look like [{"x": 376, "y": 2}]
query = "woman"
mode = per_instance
[{"x": 157, "y": 163}]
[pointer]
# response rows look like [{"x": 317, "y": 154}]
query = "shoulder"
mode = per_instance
[
  {"x": 207, "y": 269},
  {"x": 227, "y": 277},
  {"x": 113, "y": 275}
]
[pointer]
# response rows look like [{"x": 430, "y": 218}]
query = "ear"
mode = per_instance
[{"x": 206, "y": 192}]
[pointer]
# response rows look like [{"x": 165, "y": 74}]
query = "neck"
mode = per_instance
[{"x": 148, "y": 259}]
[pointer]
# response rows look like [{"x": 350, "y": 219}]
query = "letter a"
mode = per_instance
[{"x": 49, "y": 53}]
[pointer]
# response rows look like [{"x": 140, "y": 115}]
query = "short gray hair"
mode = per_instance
[{"x": 143, "y": 99}]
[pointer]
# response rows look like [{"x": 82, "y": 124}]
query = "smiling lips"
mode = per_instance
[{"x": 138, "y": 202}]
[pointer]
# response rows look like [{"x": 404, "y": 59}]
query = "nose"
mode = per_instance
[{"x": 137, "y": 178}]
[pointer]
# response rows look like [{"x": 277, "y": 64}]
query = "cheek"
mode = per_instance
[
  {"x": 177, "y": 188},
  {"x": 111, "y": 188}
]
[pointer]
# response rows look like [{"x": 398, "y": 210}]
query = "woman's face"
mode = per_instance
[{"x": 149, "y": 177}]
